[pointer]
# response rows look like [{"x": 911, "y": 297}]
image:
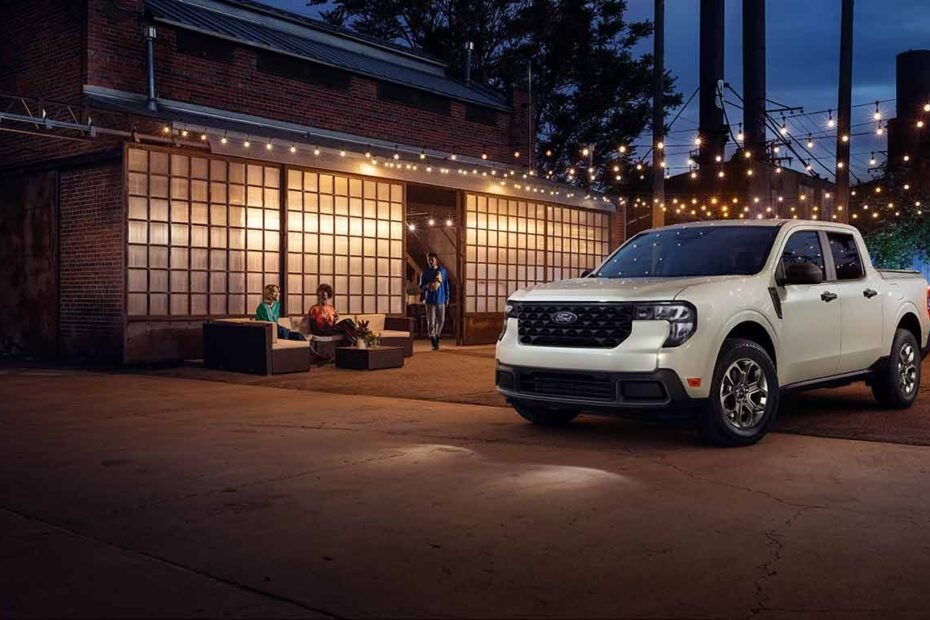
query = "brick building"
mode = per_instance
[{"x": 162, "y": 160}]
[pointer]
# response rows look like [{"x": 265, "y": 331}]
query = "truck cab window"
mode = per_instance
[
  {"x": 803, "y": 247},
  {"x": 845, "y": 256}
]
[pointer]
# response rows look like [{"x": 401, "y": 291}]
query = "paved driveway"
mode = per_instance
[{"x": 140, "y": 495}]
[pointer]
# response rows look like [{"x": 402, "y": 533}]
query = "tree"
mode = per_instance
[
  {"x": 893, "y": 221},
  {"x": 589, "y": 89}
]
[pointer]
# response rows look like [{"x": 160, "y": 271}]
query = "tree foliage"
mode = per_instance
[
  {"x": 589, "y": 87},
  {"x": 901, "y": 231}
]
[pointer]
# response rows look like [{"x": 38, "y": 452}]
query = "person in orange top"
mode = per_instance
[{"x": 324, "y": 320}]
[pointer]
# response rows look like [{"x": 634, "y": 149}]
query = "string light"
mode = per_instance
[
  {"x": 224, "y": 139},
  {"x": 810, "y": 141},
  {"x": 247, "y": 144},
  {"x": 411, "y": 227},
  {"x": 830, "y": 122},
  {"x": 660, "y": 145},
  {"x": 516, "y": 154},
  {"x": 878, "y": 114},
  {"x": 872, "y": 159},
  {"x": 293, "y": 149},
  {"x": 585, "y": 152},
  {"x": 203, "y": 137},
  {"x": 268, "y": 146},
  {"x": 622, "y": 149},
  {"x": 448, "y": 223},
  {"x": 166, "y": 129},
  {"x": 316, "y": 150}
]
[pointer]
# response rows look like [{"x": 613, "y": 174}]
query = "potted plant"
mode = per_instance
[{"x": 366, "y": 337}]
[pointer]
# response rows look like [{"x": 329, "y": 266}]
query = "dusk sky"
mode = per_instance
[{"x": 803, "y": 52}]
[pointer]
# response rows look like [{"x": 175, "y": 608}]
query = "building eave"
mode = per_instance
[{"x": 464, "y": 173}]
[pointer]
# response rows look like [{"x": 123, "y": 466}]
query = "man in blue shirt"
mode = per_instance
[{"x": 434, "y": 284}]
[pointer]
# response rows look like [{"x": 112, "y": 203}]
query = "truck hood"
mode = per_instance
[{"x": 614, "y": 289}]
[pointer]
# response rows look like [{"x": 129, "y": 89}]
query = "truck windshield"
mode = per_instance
[{"x": 697, "y": 251}]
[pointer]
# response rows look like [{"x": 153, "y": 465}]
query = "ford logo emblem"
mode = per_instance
[{"x": 564, "y": 318}]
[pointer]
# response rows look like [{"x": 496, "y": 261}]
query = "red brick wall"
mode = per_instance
[
  {"x": 617, "y": 228},
  {"x": 92, "y": 221},
  {"x": 116, "y": 59},
  {"x": 40, "y": 48}
]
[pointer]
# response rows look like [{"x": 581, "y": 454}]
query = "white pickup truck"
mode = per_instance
[{"x": 716, "y": 318}]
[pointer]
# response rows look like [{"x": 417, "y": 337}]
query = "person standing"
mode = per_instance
[{"x": 434, "y": 284}]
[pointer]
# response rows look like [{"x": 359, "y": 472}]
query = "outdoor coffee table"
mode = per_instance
[{"x": 372, "y": 358}]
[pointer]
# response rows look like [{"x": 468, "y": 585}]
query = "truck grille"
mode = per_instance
[
  {"x": 596, "y": 326},
  {"x": 587, "y": 386}
]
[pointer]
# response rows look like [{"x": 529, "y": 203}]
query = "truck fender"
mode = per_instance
[{"x": 745, "y": 316}]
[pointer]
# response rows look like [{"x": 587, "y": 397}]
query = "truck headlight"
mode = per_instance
[{"x": 681, "y": 316}]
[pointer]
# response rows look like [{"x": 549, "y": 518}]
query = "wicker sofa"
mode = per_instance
[
  {"x": 393, "y": 331},
  {"x": 245, "y": 345}
]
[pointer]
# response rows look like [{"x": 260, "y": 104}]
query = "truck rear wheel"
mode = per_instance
[
  {"x": 543, "y": 415},
  {"x": 743, "y": 395},
  {"x": 896, "y": 381}
]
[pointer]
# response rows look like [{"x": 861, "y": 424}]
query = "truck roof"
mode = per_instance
[{"x": 762, "y": 222}]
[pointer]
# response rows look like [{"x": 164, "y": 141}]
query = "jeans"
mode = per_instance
[
  {"x": 286, "y": 334},
  {"x": 435, "y": 317}
]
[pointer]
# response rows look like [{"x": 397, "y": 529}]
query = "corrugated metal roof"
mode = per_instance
[{"x": 303, "y": 41}]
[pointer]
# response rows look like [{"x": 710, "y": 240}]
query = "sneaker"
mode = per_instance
[{"x": 435, "y": 342}]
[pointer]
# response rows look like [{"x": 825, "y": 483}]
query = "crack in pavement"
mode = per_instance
[
  {"x": 768, "y": 567},
  {"x": 177, "y": 565}
]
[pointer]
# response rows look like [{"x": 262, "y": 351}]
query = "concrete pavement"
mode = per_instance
[{"x": 134, "y": 495}]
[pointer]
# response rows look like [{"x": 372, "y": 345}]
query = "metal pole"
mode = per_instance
[
  {"x": 469, "y": 46},
  {"x": 844, "y": 113},
  {"x": 658, "y": 116},
  {"x": 149, "y": 32},
  {"x": 530, "y": 134},
  {"x": 711, "y": 127}
]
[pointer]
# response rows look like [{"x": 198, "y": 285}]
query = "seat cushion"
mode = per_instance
[
  {"x": 392, "y": 333},
  {"x": 289, "y": 344},
  {"x": 316, "y": 338},
  {"x": 300, "y": 323},
  {"x": 375, "y": 321}
]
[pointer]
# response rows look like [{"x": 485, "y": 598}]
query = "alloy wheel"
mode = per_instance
[
  {"x": 744, "y": 394},
  {"x": 907, "y": 369}
]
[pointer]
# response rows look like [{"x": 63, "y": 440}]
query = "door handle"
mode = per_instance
[
  {"x": 869, "y": 293},
  {"x": 828, "y": 296}
]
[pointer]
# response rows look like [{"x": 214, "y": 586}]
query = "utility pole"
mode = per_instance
[
  {"x": 658, "y": 116},
  {"x": 844, "y": 113}
]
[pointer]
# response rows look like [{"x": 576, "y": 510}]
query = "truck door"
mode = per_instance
[
  {"x": 810, "y": 330},
  {"x": 860, "y": 305}
]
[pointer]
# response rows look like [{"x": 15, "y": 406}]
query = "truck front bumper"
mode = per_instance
[{"x": 594, "y": 390}]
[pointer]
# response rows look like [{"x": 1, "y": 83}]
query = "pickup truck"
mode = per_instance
[{"x": 715, "y": 320}]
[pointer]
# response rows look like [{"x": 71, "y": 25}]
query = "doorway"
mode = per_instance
[{"x": 432, "y": 226}]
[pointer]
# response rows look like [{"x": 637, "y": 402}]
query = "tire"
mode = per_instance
[
  {"x": 543, "y": 415},
  {"x": 896, "y": 381},
  {"x": 736, "y": 414}
]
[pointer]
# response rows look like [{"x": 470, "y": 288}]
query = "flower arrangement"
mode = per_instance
[{"x": 366, "y": 337}]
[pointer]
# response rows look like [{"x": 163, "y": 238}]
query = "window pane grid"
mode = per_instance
[
  {"x": 348, "y": 232},
  {"x": 510, "y": 244},
  {"x": 203, "y": 234}
]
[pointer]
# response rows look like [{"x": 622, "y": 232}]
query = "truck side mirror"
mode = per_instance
[{"x": 802, "y": 273}]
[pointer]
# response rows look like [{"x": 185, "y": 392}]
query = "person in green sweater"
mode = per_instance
[{"x": 270, "y": 310}]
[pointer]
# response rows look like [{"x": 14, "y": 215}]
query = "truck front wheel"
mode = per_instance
[
  {"x": 743, "y": 395},
  {"x": 895, "y": 382},
  {"x": 543, "y": 415}
]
